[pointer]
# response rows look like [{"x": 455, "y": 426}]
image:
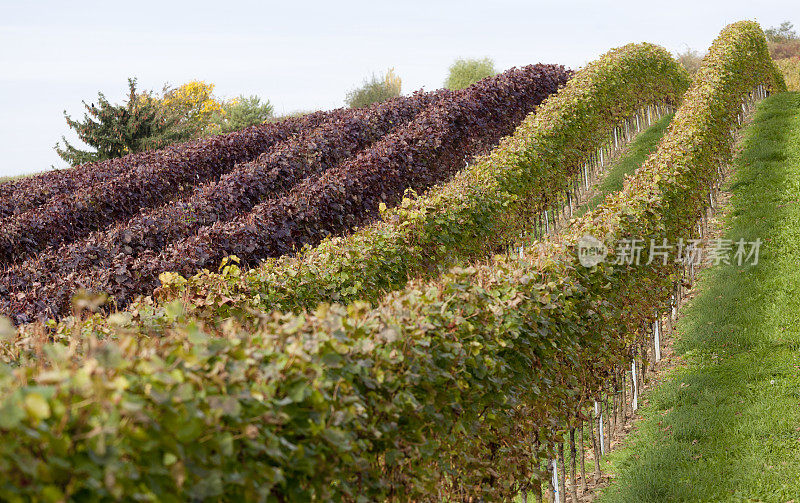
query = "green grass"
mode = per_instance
[
  {"x": 639, "y": 150},
  {"x": 725, "y": 426}
]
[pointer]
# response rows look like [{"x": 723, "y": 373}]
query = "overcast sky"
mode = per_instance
[{"x": 304, "y": 55}]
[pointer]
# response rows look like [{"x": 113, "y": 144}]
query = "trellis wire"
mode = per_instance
[
  {"x": 548, "y": 222},
  {"x": 619, "y": 137}
]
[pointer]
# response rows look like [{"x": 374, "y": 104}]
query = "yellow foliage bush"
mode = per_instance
[
  {"x": 195, "y": 102},
  {"x": 393, "y": 81},
  {"x": 790, "y": 67}
]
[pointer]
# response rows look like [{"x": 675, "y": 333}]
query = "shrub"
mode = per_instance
[
  {"x": 465, "y": 72},
  {"x": 114, "y": 131},
  {"x": 375, "y": 90},
  {"x": 784, "y": 50},
  {"x": 790, "y": 67},
  {"x": 240, "y": 113},
  {"x": 783, "y": 33},
  {"x": 192, "y": 106},
  {"x": 783, "y": 41},
  {"x": 691, "y": 60}
]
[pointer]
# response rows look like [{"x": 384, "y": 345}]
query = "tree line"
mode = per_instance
[{"x": 148, "y": 120}]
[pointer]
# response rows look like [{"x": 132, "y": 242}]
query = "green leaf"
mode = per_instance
[
  {"x": 11, "y": 413},
  {"x": 37, "y": 407},
  {"x": 170, "y": 459},
  {"x": 52, "y": 494}
]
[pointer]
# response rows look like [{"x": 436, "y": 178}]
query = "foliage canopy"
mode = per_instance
[
  {"x": 240, "y": 113},
  {"x": 465, "y": 72},
  {"x": 116, "y": 130},
  {"x": 375, "y": 90}
]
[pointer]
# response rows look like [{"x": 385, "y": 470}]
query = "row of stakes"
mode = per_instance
[
  {"x": 594, "y": 168},
  {"x": 609, "y": 417}
]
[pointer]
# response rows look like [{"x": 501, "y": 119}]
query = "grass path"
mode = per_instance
[
  {"x": 634, "y": 156},
  {"x": 725, "y": 425}
]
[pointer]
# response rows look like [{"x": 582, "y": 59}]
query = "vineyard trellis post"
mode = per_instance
[
  {"x": 599, "y": 413},
  {"x": 657, "y": 338},
  {"x": 554, "y": 481},
  {"x": 635, "y": 385}
]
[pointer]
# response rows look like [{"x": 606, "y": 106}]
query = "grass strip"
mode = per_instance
[{"x": 725, "y": 426}]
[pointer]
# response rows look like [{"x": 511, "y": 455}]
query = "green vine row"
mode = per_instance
[
  {"x": 485, "y": 207},
  {"x": 447, "y": 389}
]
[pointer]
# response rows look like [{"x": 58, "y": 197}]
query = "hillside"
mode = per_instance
[{"x": 449, "y": 296}]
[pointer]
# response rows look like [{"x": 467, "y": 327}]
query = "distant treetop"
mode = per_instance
[
  {"x": 783, "y": 41},
  {"x": 465, "y": 72},
  {"x": 375, "y": 90},
  {"x": 240, "y": 113},
  {"x": 116, "y": 130},
  {"x": 783, "y": 33},
  {"x": 147, "y": 121},
  {"x": 691, "y": 60}
]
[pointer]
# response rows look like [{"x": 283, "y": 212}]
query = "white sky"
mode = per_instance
[{"x": 304, "y": 55}]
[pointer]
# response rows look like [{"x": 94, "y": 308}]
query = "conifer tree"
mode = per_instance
[{"x": 117, "y": 130}]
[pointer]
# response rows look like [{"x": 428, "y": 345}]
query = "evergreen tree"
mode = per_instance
[{"x": 117, "y": 130}]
